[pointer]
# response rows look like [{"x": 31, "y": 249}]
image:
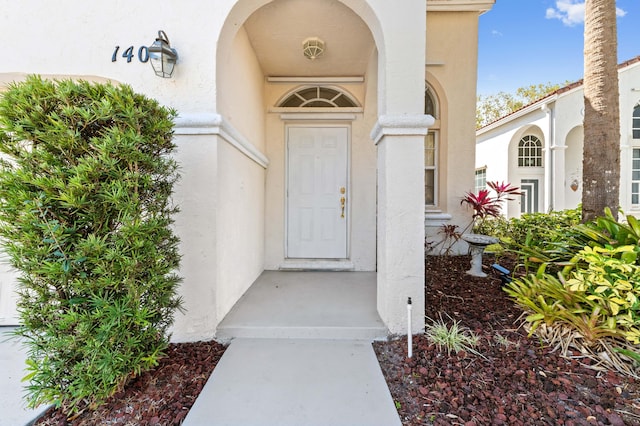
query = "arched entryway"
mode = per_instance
[{"x": 260, "y": 61}]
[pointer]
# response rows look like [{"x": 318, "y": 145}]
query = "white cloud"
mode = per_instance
[
  {"x": 571, "y": 12},
  {"x": 496, "y": 33}
]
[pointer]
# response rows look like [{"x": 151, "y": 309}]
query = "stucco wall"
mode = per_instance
[
  {"x": 218, "y": 74},
  {"x": 197, "y": 195},
  {"x": 241, "y": 91},
  {"x": 79, "y": 37},
  {"x": 241, "y": 203},
  {"x": 572, "y": 170},
  {"x": 451, "y": 71},
  {"x": 497, "y": 150},
  {"x": 629, "y": 86},
  {"x": 240, "y": 224}
]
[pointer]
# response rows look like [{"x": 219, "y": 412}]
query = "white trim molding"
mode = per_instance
[
  {"x": 316, "y": 265},
  {"x": 316, "y": 80},
  {"x": 459, "y": 5},
  {"x": 401, "y": 125},
  {"x": 318, "y": 116},
  {"x": 215, "y": 124},
  {"x": 436, "y": 218}
]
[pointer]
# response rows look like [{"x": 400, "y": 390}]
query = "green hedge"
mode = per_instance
[{"x": 86, "y": 218}]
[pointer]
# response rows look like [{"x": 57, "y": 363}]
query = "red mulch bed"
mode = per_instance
[
  {"x": 159, "y": 397},
  {"x": 515, "y": 381}
]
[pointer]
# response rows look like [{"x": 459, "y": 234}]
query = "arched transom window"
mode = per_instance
[
  {"x": 530, "y": 152},
  {"x": 318, "y": 97},
  {"x": 635, "y": 125},
  {"x": 430, "y": 103}
]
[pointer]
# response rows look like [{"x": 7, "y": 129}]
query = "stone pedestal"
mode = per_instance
[{"x": 477, "y": 244}]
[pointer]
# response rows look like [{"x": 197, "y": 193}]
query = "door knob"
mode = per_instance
[{"x": 343, "y": 200}]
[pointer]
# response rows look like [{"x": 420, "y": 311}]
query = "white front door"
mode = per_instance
[{"x": 317, "y": 192}]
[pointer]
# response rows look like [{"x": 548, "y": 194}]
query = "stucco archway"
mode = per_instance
[
  {"x": 243, "y": 10},
  {"x": 259, "y": 58},
  {"x": 530, "y": 179}
]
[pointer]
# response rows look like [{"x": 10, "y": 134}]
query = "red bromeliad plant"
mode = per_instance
[{"x": 485, "y": 205}]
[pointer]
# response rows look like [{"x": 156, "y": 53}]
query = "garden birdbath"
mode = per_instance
[{"x": 477, "y": 244}]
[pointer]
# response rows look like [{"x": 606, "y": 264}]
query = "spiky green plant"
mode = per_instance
[{"x": 452, "y": 337}]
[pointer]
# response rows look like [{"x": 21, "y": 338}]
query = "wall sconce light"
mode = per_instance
[
  {"x": 312, "y": 48},
  {"x": 162, "y": 56},
  {"x": 574, "y": 185}
]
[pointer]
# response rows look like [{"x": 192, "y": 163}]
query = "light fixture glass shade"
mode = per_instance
[
  {"x": 312, "y": 48},
  {"x": 162, "y": 56}
]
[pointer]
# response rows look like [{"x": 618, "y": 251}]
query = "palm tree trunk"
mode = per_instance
[{"x": 601, "y": 155}]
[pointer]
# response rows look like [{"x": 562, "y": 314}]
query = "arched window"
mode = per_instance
[
  {"x": 635, "y": 125},
  {"x": 530, "y": 152},
  {"x": 431, "y": 149},
  {"x": 430, "y": 103},
  {"x": 318, "y": 97}
]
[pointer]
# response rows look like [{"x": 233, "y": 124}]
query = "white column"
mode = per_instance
[{"x": 400, "y": 142}]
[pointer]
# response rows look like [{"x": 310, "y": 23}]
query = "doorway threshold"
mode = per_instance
[{"x": 316, "y": 265}]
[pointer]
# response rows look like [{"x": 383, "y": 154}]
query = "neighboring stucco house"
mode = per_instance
[
  {"x": 539, "y": 148},
  {"x": 287, "y": 162}
]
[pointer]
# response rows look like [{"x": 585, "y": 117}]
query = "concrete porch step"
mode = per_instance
[
  {"x": 313, "y": 305},
  {"x": 226, "y": 333}
]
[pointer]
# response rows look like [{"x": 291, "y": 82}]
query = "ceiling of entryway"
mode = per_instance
[{"x": 277, "y": 30}]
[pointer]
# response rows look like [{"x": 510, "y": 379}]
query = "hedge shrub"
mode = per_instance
[{"x": 86, "y": 219}]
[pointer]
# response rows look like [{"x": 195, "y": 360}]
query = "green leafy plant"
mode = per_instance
[
  {"x": 86, "y": 218},
  {"x": 588, "y": 290},
  {"x": 633, "y": 355},
  {"x": 452, "y": 338}
]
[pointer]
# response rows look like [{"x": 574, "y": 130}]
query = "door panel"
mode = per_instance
[
  {"x": 317, "y": 164},
  {"x": 529, "y": 197}
]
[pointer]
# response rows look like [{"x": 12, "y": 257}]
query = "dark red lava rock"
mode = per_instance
[{"x": 513, "y": 380}]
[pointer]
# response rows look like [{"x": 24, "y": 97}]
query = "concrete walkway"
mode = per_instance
[
  {"x": 12, "y": 365},
  {"x": 300, "y": 354},
  {"x": 295, "y": 382}
]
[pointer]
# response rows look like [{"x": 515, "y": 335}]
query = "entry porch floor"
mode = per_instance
[{"x": 314, "y": 305}]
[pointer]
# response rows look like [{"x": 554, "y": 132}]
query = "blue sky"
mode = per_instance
[{"x": 525, "y": 42}]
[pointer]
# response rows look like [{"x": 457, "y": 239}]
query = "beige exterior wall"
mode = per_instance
[
  {"x": 240, "y": 224},
  {"x": 196, "y": 193},
  {"x": 240, "y": 96},
  {"x": 231, "y": 141},
  {"x": 240, "y": 214},
  {"x": 78, "y": 38},
  {"x": 451, "y": 71}
]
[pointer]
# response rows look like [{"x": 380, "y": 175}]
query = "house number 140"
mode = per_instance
[{"x": 143, "y": 54}]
